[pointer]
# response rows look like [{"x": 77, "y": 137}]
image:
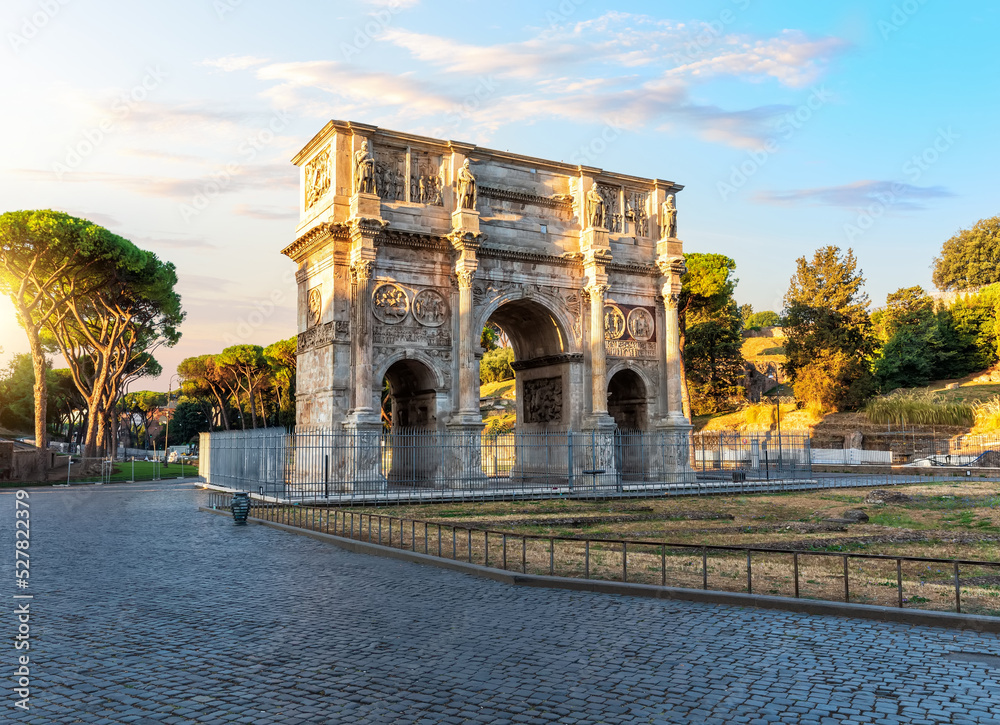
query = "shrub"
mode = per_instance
[
  {"x": 919, "y": 409},
  {"x": 987, "y": 414}
]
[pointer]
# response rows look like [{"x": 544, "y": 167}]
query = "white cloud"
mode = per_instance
[
  {"x": 234, "y": 62},
  {"x": 860, "y": 194}
]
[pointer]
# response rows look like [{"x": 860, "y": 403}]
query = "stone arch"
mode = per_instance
[
  {"x": 554, "y": 307},
  {"x": 416, "y": 387},
  {"x": 629, "y": 398}
]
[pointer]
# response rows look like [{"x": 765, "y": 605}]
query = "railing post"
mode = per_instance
[
  {"x": 524, "y": 554},
  {"x": 413, "y": 535},
  {"x": 552, "y": 557},
  {"x": 795, "y": 567},
  {"x": 470, "y": 544},
  {"x": 624, "y": 561},
  {"x": 486, "y": 548},
  {"x": 504, "y": 544},
  {"x": 704, "y": 569},
  {"x": 749, "y": 574},
  {"x": 958, "y": 592},
  {"x": 586, "y": 559},
  {"x": 439, "y": 540},
  {"x": 847, "y": 587},
  {"x": 454, "y": 543}
]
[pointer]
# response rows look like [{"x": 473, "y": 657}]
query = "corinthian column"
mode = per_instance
[
  {"x": 361, "y": 338},
  {"x": 468, "y": 380},
  {"x": 672, "y": 341},
  {"x": 598, "y": 356}
]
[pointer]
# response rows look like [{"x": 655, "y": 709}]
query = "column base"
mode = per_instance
[
  {"x": 672, "y": 453},
  {"x": 464, "y": 453}
]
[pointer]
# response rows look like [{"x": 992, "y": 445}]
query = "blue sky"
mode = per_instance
[{"x": 792, "y": 125}]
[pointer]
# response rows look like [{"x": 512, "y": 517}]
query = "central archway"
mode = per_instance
[{"x": 547, "y": 377}]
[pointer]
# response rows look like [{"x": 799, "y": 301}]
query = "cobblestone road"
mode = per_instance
[{"x": 147, "y": 611}]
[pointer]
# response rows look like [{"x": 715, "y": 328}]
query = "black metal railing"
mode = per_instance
[{"x": 853, "y": 578}]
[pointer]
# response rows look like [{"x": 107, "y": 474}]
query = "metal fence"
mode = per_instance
[
  {"x": 417, "y": 464},
  {"x": 968, "y": 586}
]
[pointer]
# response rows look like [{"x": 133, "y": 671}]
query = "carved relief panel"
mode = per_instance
[
  {"x": 543, "y": 400},
  {"x": 426, "y": 186},
  {"x": 637, "y": 212},
  {"x": 390, "y": 303},
  {"x": 314, "y": 307},
  {"x": 390, "y": 173},
  {"x": 317, "y": 173},
  {"x": 430, "y": 308},
  {"x": 613, "y": 217},
  {"x": 629, "y": 331}
]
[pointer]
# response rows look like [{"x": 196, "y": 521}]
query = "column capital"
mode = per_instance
[
  {"x": 465, "y": 277},
  {"x": 362, "y": 270},
  {"x": 597, "y": 289}
]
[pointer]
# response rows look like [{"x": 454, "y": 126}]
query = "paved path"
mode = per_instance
[{"x": 147, "y": 611}]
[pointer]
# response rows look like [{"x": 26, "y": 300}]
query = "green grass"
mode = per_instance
[
  {"x": 898, "y": 520},
  {"x": 496, "y": 390}
]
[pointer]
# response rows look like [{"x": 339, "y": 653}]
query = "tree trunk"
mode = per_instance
[{"x": 41, "y": 388}]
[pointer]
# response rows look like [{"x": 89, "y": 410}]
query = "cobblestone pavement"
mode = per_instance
[{"x": 148, "y": 611}]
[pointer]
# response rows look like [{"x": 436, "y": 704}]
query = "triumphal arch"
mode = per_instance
[{"x": 407, "y": 246}]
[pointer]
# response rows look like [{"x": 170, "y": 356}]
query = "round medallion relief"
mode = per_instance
[
  {"x": 315, "y": 307},
  {"x": 429, "y": 308},
  {"x": 640, "y": 324},
  {"x": 614, "y": 322},
  {"x": 390, "y": 303}
]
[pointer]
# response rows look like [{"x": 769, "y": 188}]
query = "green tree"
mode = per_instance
[
  {"x": 908, "y": 329},
  {"x": 141, "y": 405},
  {"x": 714, "y": 360},
  {"x": 116, "y": 325},
  {"x": 713, "y": 371},
  {"x": 281, "y": 358},
  {"x": 246, "y": 368},
  {"x": 828, "y": 329},
  {"x": 746, "y": 312},
  {"x": 767, "y": 318},
  {"x": 187, "y": 422},
  {"x": 204, "y": 380},
  {"x": 496, "y": 365},
  {"x": 971, "y": 258},
  {"x": 48, "y": 259}
]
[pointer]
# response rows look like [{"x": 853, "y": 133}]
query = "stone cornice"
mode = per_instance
[
  {"x": 647, "y": 270},
  {"x": 570, "y": 259},
  {"x": 557, "y": 201},
  {"x": 318, "y": 233},
  {"x": 545, "y": 361}
]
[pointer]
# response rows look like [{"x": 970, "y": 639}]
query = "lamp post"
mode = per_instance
[{"x": 166, "y": 441}]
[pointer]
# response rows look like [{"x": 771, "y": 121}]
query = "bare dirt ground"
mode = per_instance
[{"x": 947, "y": 520}]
